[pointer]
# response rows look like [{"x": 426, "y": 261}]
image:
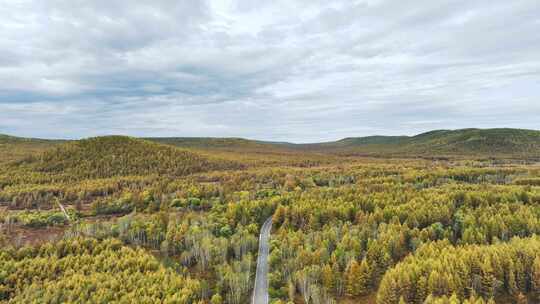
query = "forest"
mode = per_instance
[{"x": 177, "y": 220}]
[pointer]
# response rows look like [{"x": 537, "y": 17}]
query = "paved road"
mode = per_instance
[{"x": 260, "y": 290}]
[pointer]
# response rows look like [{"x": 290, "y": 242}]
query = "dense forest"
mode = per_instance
[
  {"x": 177, "y": 220},
  {"x": 470, "y": 143}
]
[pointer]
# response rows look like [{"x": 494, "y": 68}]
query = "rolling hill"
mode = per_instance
[
  {"x": 516, "y": 143},
  {"x": 13, "y": 148},
  {"x": 109, "y": 156},
  {"x": 169, "y": 155},
  {"x": 225, "y": 143}
]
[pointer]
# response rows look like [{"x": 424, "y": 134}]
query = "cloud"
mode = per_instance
[{"x": 281, "y": 70}]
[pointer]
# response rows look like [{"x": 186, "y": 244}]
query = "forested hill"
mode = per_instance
[
  {"x": 109, "y": 156},
  {"x": 515, "y": 143},
  {"x": 12, "y": 147},
  {"x": 233, "y": 143},
  {"x": 467, "y": 142},
  {"x": 482, "y": 143}
]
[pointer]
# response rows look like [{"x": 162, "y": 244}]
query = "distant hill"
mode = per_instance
[
  {"x": 13, "y": 148},
  {"x": 108, "y": 156},
  {"x": 249, "y": 152},
  {"x": 217, "y": 142},
  {"x": 5, "y": 139},
  {"x": 465, "y": 142},
  {"x": 160, "y": 155},
  {"x": 516, "y": 143},
  {"x": 365, "y": 141}
]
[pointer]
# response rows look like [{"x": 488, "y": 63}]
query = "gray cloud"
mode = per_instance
[{"x": 279, "y": 70}]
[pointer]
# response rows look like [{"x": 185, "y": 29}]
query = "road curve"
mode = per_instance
[{"x": 260, "y": 290}]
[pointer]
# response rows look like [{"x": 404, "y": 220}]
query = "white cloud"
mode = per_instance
[{"x": 281, "y": 70}]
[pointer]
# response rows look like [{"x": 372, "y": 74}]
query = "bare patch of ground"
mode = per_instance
[
  {"x": 21, "y": 236},
  {"x": 370, "y": 299}
]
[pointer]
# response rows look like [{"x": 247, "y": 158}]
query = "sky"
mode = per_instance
[{"x": 298, "y": 71}]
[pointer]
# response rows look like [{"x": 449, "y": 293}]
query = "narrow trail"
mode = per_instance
[
  {"x": 63, "y": 210},
  {"x": 260, "y": 290}
]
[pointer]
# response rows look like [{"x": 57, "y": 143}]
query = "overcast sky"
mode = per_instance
[{"x": 298, "y": 71}]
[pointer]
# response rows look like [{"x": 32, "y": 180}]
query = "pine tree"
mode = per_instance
[
  {"x": 511, "y": 283},
  {"x": 216, "y": 299},
  {"x": 421, "y": 291},
  {"x": 351, "y": 276},
  {"x": 454, "y": 299},
  {"x": 535, "y": 278},
  {"x": 388, "y": 291},
  {"x": 437, "y": 285},
  {"x": 328, "y": 278},
  {"x": 358, "y": 277},
  {"x": 364, "y": 280},
  {"x": 488, "y": 280}
]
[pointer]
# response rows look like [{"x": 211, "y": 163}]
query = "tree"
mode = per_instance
[
  {"x": 488, "y": 280},
  {"x": 358, "y": 278},
  {"x": 216, "y": 299},
  {"x": 328, "y": 278},
  {"x": 535, "y": 278}
]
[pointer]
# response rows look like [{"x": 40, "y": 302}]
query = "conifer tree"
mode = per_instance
[
  {"x": 535, "y": 278},
  {"x": 358, "y": 277}
]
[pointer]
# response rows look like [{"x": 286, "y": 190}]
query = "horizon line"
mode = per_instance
[{"x": 261, "y": 140}]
